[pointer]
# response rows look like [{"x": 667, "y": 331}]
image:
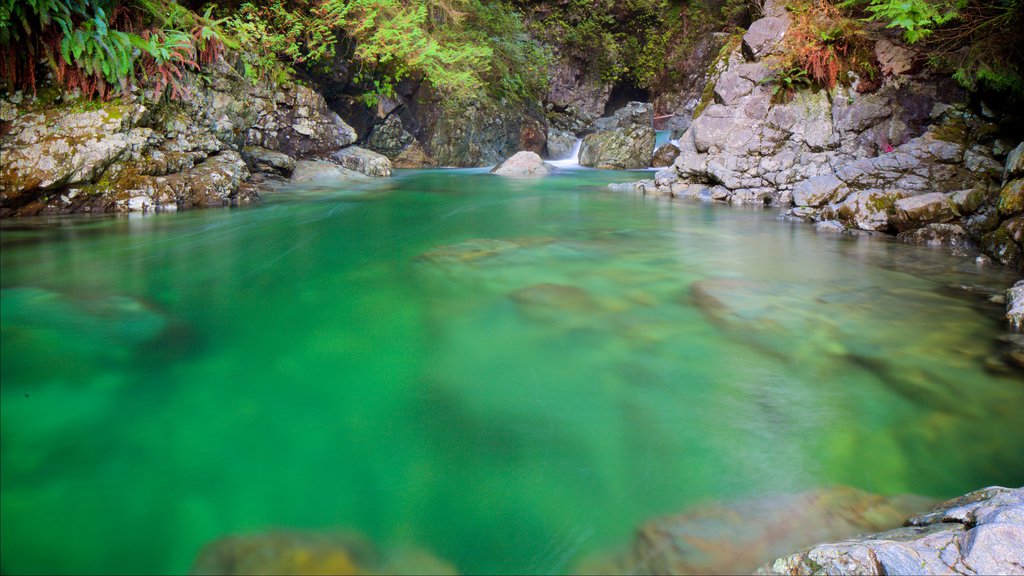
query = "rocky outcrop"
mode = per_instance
[
  {"x": 910, "y": 158},
  {"x": 309, "y": 171},
  {"x": 622, "y": 141},
  {"x": 979, "y": 533},
  {"x": 665, "y": 155},
  {"x": 363, "y": 161},
  {"x": 391, "y": 139},
  {"x": 524, "y": 164},
  {"x": 65, "y": 156},
  {"x": 574, "y": 89},
  {"x": 263, "y": 161},
  {"x": 482, "y": 133},
  {"x": 737, "y": 537}
]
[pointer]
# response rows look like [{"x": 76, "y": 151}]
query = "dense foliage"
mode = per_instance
[
  {"x": 981, "y": 42},
  {"x": 637, "y": 42},
  {"x": 467, "y": 49},
  {"x": 461, "y": 47}
]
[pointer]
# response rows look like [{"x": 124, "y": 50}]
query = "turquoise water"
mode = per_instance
[{"x": 512, "y": 375}]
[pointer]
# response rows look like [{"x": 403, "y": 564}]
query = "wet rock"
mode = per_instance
[
  {"x": 1014, "y": 164},
  {"x": 413, "y": 157},
  {"x": 937, "y": 235},
  {"x": 1001, "y": 246},
  {"x": 830, "y": 226},
  {"x": 915, "y": 211},
  {"x": 60, "y": 147},
  {"x": 295, "y": 120},
  {"x": 319, "y": 171},
  {"x": 1011, "y": 198},
  {"x": 478, "y": 249},
  {"x": 311, "y": 553},
  {"x": 266, "y": 161},
  {"x": 1015, "y": 305},
  {"x": 549, "y": 300},
  {"x": 560, "y": 144},
  {"x": 524, "y": 164},
  {"x": 572, "y": 87},
  {"x": 867, "y": 210},
  {"x": 38, "y": 324},
  {"x": 818, "y": 191},
  {"x": 625, "y": 140},
  {"x": 737, "y": 537},
  {"x": 389, "y": 137},
  {"x": 979, "y": 533},
  {"x": 363, "y": 161},
  {"x": 665, "y": 155}
]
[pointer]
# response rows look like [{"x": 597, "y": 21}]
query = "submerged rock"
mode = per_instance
[
  {"x": 979, "y": 533},
  {"x": 479, "y": 248},
  {"x": 524, "y": 164},
  {"x": 623, "y": 141},
  {"x": 737, "y": 537},
  {"x": 311, "y": 553}
]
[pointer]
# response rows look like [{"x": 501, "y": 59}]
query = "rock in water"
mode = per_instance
[
  {"x": 524, "y": 163},
  {"x": 735, "y": 537},
  {"x": 665, "y": 155},
  {"x": 979, "y": 533},
  {"x": 1015, "y": 305},
  {"x": 313, "y": 553},
  {"x": 623, "y": 141},
  {"x": 363, "y": 161},
  {"x": 261, "y": 160},
  {"x": 316, "y": 171}
]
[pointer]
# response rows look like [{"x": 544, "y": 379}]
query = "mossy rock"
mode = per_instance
[{"x": 1011, "y": 199}]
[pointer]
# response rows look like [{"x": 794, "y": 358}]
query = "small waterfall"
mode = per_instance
[{"x": 573, "y": 161}]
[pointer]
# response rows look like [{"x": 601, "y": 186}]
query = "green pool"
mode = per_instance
[{"x": 511, "y": 374}]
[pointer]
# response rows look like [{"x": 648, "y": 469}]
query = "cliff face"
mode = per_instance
[
  {"x": 62, "y": 155},
  {"x": 911, "y": 158}
]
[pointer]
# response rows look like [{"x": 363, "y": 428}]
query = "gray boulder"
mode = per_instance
[
  {"x": 524, "y": 164},
  {"x": 665, "y": 155},
  {"x": 389, "y": 137},
  {"x": 1014, "y": 163},
  {"x": 265, "y": 161},
  {"x": 363, "y": 161},
  {"x": 867, "y": 209},
  {"x": 736, "y": 537},
  {"x": 937, "y": 235},
  {"x": 295, "y": 120},
  {"x": 624, "y": 141},
  {"x": 764, "y": 36},
  {"x": 979, "y": 533},
  {"x": 916, "y": 211},
  {"x": 307, "y": 171}
]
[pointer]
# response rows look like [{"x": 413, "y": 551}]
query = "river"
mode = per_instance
[{"x": 512, "y": 374}]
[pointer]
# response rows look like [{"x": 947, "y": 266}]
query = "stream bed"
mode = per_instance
[{"x": 511, "y": 374}]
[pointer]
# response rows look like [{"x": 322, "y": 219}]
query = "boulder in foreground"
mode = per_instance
[
  {"x": 524, "y": 164},
  {"x": 979, "y": 533}
]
